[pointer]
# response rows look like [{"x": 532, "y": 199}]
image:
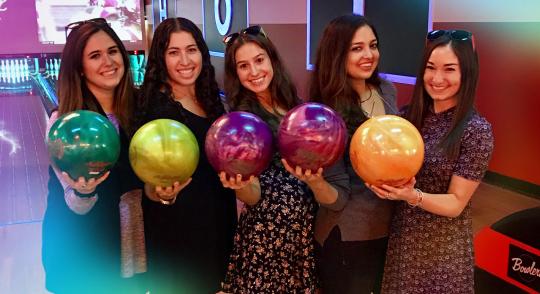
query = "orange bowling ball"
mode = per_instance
[{"x": 386, "y": 149}]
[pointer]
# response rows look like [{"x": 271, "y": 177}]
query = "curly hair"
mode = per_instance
[{"x": 156, "y": 76}]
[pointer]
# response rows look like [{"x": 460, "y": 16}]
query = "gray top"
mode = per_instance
[{"x": 358, "y": 212}]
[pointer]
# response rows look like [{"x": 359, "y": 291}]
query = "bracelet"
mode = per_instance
[
  {"x": 167, "y": 202},
  {"x": 419, "y": 198}
]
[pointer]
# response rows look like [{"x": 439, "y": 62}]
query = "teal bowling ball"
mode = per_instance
[{"x": 83, "y": 143}]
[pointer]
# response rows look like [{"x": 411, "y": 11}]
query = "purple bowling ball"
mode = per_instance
[
  {"x": 311, "y": 136},
  {"x": 239, "y": 143}
]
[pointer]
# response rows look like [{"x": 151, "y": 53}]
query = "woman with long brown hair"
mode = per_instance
[
  {"x": 352, "y": 230},
  {"x": 430, "y": 246},
  {"x": 273, "y": 249},
  {"x": 82, "y": 224}
]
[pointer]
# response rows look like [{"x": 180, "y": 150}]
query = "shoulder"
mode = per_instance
[
  {"x": 388, "y": 92},
  {"x": 478, "y": 123},
  {"x": 160, "y": 103},
  {"x": 478, "y": 130},
  {"x": 387, "y": 88}
]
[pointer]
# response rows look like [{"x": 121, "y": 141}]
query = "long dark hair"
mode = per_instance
[
  {"x": 71, "y": 87},
  {"x": 156, "y": 76},
  {"x": 330, "y": 83},
  {"x": 282, "y": 89},
  {"x": 421, "y": 101}
]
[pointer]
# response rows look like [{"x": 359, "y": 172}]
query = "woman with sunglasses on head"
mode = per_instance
[
  {"x": 85, "y": 234},
  {"x": 274, "y": 249},
  {"x": 189, "y": 232},
  {"x": 352, "y": 231},
  {"x": 430, "y": 245}
]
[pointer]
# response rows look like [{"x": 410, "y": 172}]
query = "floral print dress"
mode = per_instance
[
  {"x": 429, "y": 253},
  {"x": 274, "y": 245}
]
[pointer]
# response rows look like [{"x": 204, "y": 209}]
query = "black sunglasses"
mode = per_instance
[
  {"x": 457, "y": 35},
  {"x": 75, "y": 25},
  {"x": 253, "y": 31}
]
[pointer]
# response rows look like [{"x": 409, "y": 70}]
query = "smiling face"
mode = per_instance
[
  {"x": 102, "y": 63},
  {"x": 363, "y": 56},
  {"x": 183, "y": 60},
  {"x": 254, "y": 69},
  {"x": 442, "y": 77}
]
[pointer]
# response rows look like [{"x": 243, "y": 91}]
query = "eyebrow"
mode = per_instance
[
  {"x": 256, "y": 56},
  {"x": 97, "y": 51},
  {"x": 446, "y": 64},
  {"x": 358, "y": 43},
  {"x": 178, "y": 48}
]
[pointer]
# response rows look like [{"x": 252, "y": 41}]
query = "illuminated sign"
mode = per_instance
[{"x": 220, "y": 18}]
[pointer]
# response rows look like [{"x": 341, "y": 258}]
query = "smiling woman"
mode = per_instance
[
  {"x": 189, "y": 226},
  {"x": 274, "y": 249},
  {"x": 85, "y": 225},
  {"x": 103, "y": 68},
  {"x": 184, "y": 63},
  {"x": 352, "y": 231},
  {"x": 442, "y": 78},
  {"x": 431, "y": 232}
]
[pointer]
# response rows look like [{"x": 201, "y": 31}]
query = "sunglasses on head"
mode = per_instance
[
  {"x": 456, "y": 35},
  {"x": 75, "y": 25},
  {"x": 253, "y": 31}
]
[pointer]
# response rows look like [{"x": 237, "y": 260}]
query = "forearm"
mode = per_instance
[
  {"x": 441, "y": 204},
  {"x": 250, "y": 194},
  {"x": 337, "y": 189},
  {"x": 324, "y": 193},
  {"x": 78, "y": 205},
  {"x": 452, "y": 203}
]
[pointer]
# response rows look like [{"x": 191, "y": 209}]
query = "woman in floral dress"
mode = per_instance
[
  {"x": 430, "y": 245},
  {"x": 274, "y": 244}
]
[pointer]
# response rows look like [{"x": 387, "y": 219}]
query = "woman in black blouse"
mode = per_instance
[{"x": 189, "y": 227}]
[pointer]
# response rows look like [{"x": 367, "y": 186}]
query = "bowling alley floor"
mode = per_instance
[{"x": 23, "y": 176}]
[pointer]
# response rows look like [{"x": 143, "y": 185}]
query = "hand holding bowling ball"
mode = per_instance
[
  {"x": 165, "y": 195},
  {"x": 83, "y": 144},
  {"x": 307, "y": 176},
  {"x": 237, "y": 182},
  {"x": 164, "y": 151},
  {"x": 311, "y": 135},
  {"x": 387, "y": 149},
  {"x": 239, "y": 143},
  {"x": 83, "y": 186}
]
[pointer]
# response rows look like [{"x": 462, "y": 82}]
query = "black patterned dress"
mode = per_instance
[
  {"x": 429, "y": 253},
  {"x": 274, "y": 246}
]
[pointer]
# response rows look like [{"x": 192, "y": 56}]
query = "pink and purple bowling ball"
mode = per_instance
[
  {"x": 312, "y": 135},
  {"x": 239, "y": 143}
]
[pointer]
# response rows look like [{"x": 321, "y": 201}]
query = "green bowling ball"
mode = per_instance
[
  {"x": 164, "y": 151},
  {"x": 83, "y": 143}
]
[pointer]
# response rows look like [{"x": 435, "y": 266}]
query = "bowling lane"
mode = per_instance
[{"x": 23, "y": 158}]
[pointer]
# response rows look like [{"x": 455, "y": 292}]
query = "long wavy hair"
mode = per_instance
[
  {"x": 421, "y": 101},
  {"x": 330, "y": 83},
  {"x": 282, "y": 89},
  {"x": 71, "y": 85},
  {"x": 156, "y": 78}
]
